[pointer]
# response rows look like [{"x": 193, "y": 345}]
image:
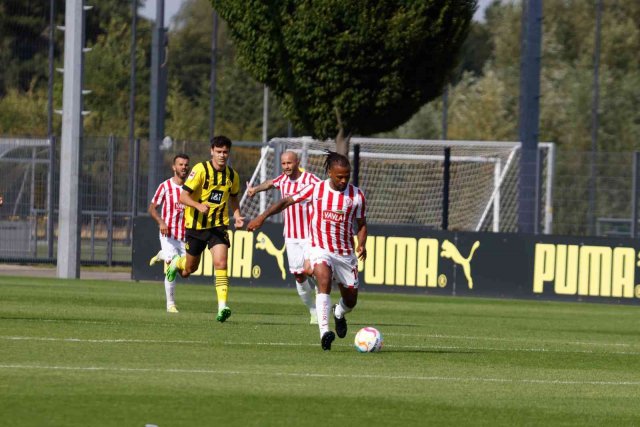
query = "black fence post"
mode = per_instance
[
  {"x": 112, "y": 144},
  {"x": 50, "y": 198},
  {"x": 446, "y": 177}
]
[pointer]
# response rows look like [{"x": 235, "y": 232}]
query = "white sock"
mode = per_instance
[
  {"x": 341, "y": 309},
  {"x": 306, "y": 295},
  {"x": 169, "y": 290},
  {"x": 323, "y": 307}
]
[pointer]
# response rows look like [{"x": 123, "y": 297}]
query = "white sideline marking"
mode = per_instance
[
  {"x": 298, "y": 344},
  {"x": 463, "y": 337},
  {"x": 449, "y": 347},
  {"x": 101, "y": 341},
  {"x": 310, "y": 375}
]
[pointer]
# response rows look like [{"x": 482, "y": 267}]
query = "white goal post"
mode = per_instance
[{"x": 403, "y": 180}]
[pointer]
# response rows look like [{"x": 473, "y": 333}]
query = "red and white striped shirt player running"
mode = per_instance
[
  {"x": 335, "y": 206},
  {"x": 296, "y": 224},
  {"x": 170, "y": 221}
]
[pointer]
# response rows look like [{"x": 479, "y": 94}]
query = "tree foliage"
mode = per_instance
[
  {"x": 349, "y": 67},
  {"x": 238, "y": 97}
]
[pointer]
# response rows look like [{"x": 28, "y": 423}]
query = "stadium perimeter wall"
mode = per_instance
[{"x": 413, "y": 259}]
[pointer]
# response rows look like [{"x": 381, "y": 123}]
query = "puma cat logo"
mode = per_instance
[
  {"x": 450, "y": 251},
  {"x": 263, "y": 242}
]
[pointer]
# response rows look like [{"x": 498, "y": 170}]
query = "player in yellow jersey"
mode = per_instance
[{"x": 210, "y": 190}]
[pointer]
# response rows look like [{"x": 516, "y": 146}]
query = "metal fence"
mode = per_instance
[{"x": 594, "y": 194}]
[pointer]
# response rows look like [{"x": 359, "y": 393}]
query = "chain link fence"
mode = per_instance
[{"x": 593, "y": 194}]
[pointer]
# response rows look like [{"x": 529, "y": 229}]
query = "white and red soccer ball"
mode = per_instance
[{"x": 368, "y": 340}]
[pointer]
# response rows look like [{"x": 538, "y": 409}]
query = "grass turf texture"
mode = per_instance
[{"x": 106, "y": 353}]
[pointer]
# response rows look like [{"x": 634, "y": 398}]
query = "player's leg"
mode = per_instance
[
  {"x": 322, "y": 271},
  {"x": 295, "y": 257},
  {"x": 170, "y": 248},
  {"x": 186, "y": 264},
  {"x": 346, "y": 274},
  {"x": 219, "y": 245}
]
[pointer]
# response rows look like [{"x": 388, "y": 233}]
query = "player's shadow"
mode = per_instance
[{"x": 425, "y": 350}]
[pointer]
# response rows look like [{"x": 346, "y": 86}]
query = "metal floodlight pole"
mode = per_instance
[
  {"x": 214, "y": 66},
  {"x": 157, "y": 108},
  {"x": 132, "y": 80},
  {"x": 52, "y": 31},
  {"x": 68, "y": 265},
  {"x": 445, "y": 111},
  {"x": 529, "y": 112},
  {"x": 595, "y": 106}
]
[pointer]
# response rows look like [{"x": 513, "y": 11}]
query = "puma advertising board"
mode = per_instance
[{"x": 413, "y": 259}]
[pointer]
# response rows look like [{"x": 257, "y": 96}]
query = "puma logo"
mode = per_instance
[
  {"x": 450, "y": 251},
  {"x": 263, "y": 242}
]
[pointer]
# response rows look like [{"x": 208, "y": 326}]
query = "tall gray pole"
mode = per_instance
[
  {"x": 445, "y": 112},
  {"x": 265, "y": 114},
  {"x": 132, "y": 106},
  {"x": 214, "y": 66},
  {"x": 52, "y": 32},
  {"x": 68, "y": 266},
  {"x": 595, "y": 106},
  {"x": 529, "y": 113},
  {"x": 132, "y": 80},
  {"x": 52, "y": 150},
  {"x": 157, "y": 107}
]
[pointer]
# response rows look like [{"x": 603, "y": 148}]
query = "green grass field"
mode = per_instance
[{"x": 84, "y": 353}]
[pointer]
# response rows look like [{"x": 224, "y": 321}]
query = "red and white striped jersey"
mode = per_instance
[
  {"x": 332, "y": 215},
  {"x": 296, "y": 217},
  {"x": 172, "y": 213}
]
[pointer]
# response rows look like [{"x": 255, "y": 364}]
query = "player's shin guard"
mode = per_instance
[
  {"x": 306, "y": 295},
  {"x": 323, "y": 307},
  {"x": 222, "y": 288},
  {"x": 341, "y": 309}
]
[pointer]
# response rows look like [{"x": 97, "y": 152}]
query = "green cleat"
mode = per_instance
[
  {"x": 172, "y": 309},
  {"x": 172, "y": 269},
  {"x": 223, "y": 314}
]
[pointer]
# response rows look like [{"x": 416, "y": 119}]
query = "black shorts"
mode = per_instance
[{"x": 198, "y": 240}]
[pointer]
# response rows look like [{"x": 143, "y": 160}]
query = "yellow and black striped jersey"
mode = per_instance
[{"x": 212, "y": 187}]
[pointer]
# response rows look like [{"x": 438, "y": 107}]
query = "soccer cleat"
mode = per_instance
[
  {"x": 223, "y": 314},
  {"x": 156, "y": 258},
  {"x": 327, "y": 339},
  {"x": 172, "y": 269},
  {"x": 313, "y": 318},
  {"x": 341, "y": 324},
  {"x": 172, "y": 309}
]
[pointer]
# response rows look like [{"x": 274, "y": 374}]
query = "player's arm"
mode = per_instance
[
  {"x": 275, "y": 208},
  {"x": 187, "y": 200},
  {"x": 153, "y": 211},
  {"x": 234, "y": 202},
  {"x": 267, "y": 185},
  {"x": 361, "y": 250}
]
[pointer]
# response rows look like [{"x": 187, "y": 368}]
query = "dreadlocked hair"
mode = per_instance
[{"x": 334, "y": 158}]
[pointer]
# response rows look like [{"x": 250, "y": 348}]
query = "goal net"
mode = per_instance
[{"x": 403, "y": 180}]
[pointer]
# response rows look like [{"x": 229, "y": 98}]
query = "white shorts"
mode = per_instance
[
  {"x": 343, "y": 267},
  {"x": 297, "y": 252},
  {"x": 170, "y": 247}
]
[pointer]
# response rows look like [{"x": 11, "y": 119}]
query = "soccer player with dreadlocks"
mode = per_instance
[{"x": 336, "y": 204}]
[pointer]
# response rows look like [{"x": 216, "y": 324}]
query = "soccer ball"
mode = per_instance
[{"x": 368, "y": 340}]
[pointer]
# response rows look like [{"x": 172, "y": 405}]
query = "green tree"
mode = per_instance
[
  {"x": 343, "y": 68},
  {"x": 238, "y": 95}
]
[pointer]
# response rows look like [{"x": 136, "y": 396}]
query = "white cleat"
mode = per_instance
[
  {"x": 313, "y": 318},
  {"x": 156, "y": 258}
]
